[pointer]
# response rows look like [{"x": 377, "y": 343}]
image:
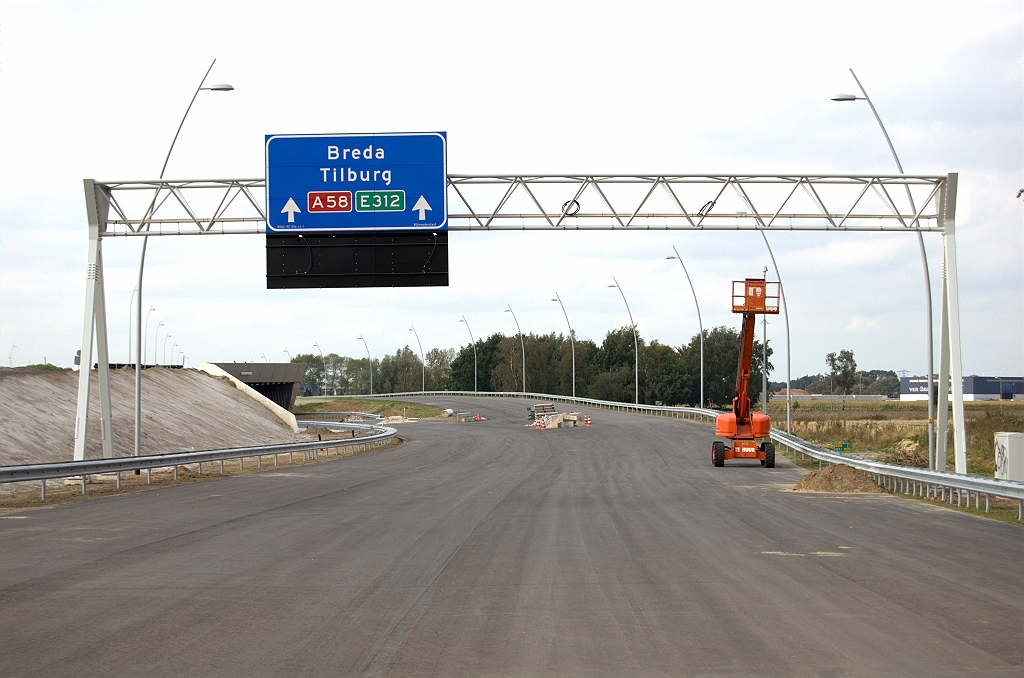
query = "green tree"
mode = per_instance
[
  {"x": 439, "y": 368},
  {"x": 399, "y": 373},
  {"x": 843, "y": 369},
  {"x": 313, "y": 380},
  {"x": 721, "y": 362}
]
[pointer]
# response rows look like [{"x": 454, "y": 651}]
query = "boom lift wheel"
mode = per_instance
[
  {"x": 718, "y": 453},
  {"x": 769, "y": 455}
]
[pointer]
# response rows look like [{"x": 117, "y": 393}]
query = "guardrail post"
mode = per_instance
[
  {"x": 83, "y": 483},
  {"x": 43, "y": 495}
]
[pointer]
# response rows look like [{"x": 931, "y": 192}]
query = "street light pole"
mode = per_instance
[
  {"x": 522, "y": 344},
  {"x": 156, "y": 340},
  {"x": 764, "y": 361},
  {"x": 785, "y": 312},
  {"x": 131, "y": 307},
  {"x": 140, "y": 357},
  {"x": 166, "y": 337},
  {"x": 423, "y": 360},
  {"x": 572, "y": 340},
  {"x": 472, "y": 341},
  {"x": 700, "y": 323},
  {"x": 143, "y": 346},
  {"x": 288, "y": 354},
  {"x": 934, "y": 463},
  {"x": 371, "y": 362},
  {"x": 323, "y": 361},
  {"x": 636, "y": 345},
  {"x": 10, "y": 356}
]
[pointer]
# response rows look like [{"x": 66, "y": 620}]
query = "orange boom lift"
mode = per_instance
[{"x": 741, "y": 427}]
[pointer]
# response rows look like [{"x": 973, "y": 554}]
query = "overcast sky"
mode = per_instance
[{"x": 97, "y": 90}]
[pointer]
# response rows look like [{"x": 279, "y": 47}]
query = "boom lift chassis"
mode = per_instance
[{"x": 741, "y": 427}]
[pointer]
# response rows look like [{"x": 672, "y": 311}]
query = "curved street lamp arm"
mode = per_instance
[
  {"x": 636, "y": 344},
  {"x": 886, "y": 134},
  {"x": 700, "y": 323},
  {"x": 572, "y": 342},
  {"x": 473, "y": 342},
  {"x": 785, "y": 311},
  {"x": 927, "y": 282},
  {"x": 423, "y": 360},
  {"x": 522, "y": 344},
  {"x": 182, "y": 123}
]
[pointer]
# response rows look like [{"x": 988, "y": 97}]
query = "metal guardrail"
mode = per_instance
[
  {"x": 906, "y": 479},
  {"x": 914, "y": 481},
  {"x": 321, "y": 417},
  {"x": 696, "y": 413},
  {"x": 378, "y": 436}
]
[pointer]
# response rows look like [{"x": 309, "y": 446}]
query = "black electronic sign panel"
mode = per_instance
[{"x": 382, "y": 259}]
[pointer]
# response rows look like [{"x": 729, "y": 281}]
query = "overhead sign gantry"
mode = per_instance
[{"x": 837, "y": 203}]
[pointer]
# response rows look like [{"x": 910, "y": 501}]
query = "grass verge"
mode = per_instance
[
  {"x": 384, "y": 408},
  {"x": 897, "y": 432}
]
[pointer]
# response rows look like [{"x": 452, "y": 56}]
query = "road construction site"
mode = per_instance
[{"x": 487, "y": 547}]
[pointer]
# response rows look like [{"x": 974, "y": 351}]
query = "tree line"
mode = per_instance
[{"x": 605, "y": 371}]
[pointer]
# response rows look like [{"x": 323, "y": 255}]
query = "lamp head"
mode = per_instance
[
  {"x": 845, "y": 97},
  {"x": 222, "y": 87}
]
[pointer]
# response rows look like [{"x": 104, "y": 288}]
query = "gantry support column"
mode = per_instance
[
  {"x": 950, "y": 352},
  {"x": 97, "y": 206}
]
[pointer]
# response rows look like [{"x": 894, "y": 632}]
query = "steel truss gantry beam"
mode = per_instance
[
  {"x": 570, "y": 202},
  {"x": 516, "y": 202}
]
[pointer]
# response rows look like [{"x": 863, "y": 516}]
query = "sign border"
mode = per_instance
[{"x": 443, "y": 226}]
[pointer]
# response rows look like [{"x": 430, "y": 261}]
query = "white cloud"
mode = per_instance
[{"x": 97, "y": 90}]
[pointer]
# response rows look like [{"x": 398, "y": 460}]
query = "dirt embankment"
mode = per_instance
[
  {"x": 181, "y": 410},
  {"x": 837, "y": 478}
]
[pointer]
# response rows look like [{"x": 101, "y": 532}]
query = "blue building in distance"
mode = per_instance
[{"x": 975, "y": 388}]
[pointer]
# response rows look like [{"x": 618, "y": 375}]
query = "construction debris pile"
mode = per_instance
[{"x": 545, "y": 417}]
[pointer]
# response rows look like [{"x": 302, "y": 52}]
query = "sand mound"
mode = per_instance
[
  {"x": 838, "y": 478},
  {"x": 183, "y": 410}
]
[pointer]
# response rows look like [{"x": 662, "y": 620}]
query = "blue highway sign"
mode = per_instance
[{"x": 357, "y": 182}]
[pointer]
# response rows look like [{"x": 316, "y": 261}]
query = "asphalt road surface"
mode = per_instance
[{"x": 492, "y": 549}]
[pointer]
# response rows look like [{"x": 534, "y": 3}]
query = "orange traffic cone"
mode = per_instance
[
  {"x": 478, "y": 416},
  {"x": 586, "y": 420}
]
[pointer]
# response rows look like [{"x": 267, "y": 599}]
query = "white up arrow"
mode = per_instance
[
  {"x": 422, "y": 206},
  {"x": 291, "y": 208}
]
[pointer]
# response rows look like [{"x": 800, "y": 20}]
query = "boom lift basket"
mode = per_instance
[{"x": 754, "y": 295}]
